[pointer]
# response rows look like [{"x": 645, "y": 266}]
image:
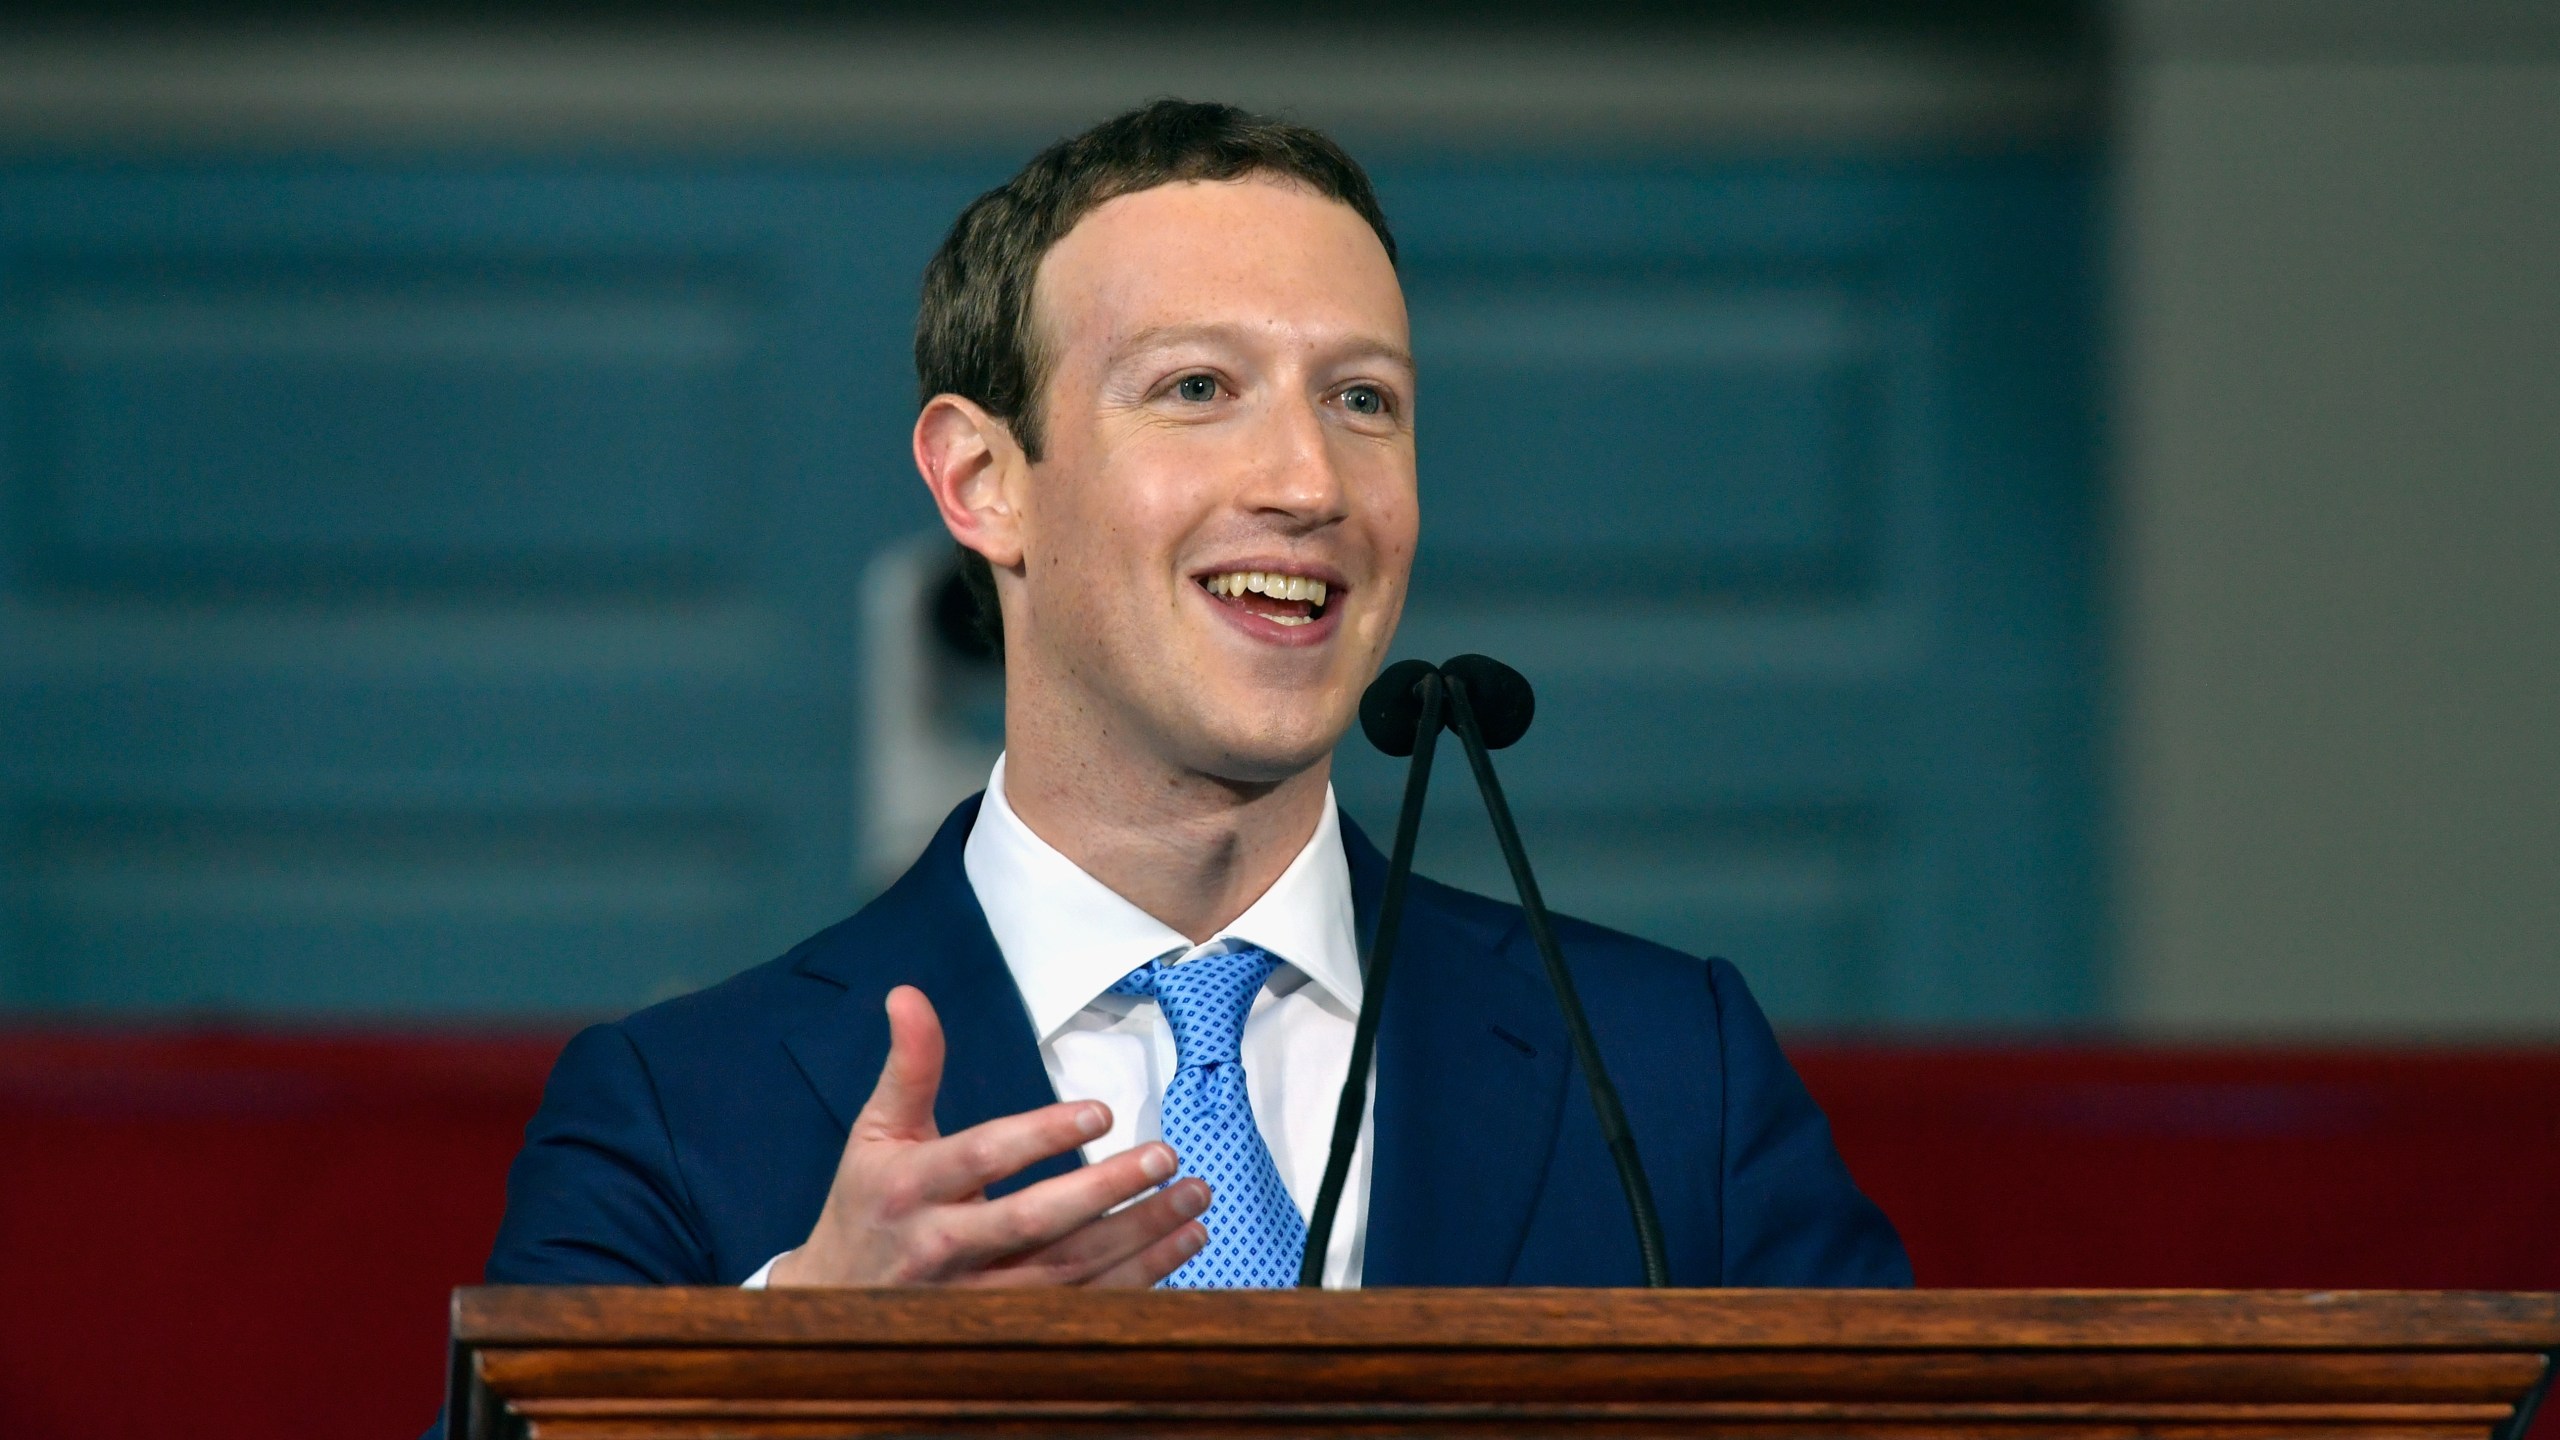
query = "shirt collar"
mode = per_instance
[{"x": 1067, "y": 937}]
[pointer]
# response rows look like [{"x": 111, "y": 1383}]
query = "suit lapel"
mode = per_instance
[
  {"x": 927, "y": 931},
  {"x": 1471, "y": 1057},
  {"x": 1471, "y": 1081}
]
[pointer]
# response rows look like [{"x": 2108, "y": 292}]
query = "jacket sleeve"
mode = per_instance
[
  {"x": 1792, "y": 1215},
  {"x": 595, "y": 1197}
]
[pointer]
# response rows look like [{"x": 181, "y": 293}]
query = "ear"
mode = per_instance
[{"x": 974, "y": 468}]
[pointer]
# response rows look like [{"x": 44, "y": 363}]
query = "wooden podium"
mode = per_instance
[{"x": 597, "y": 1363}]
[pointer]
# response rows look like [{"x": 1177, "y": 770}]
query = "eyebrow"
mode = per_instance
[{"x": 1156, "y": 337}]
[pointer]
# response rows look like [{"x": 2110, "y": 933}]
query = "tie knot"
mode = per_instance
[{"x": 1205, "y": 1001}]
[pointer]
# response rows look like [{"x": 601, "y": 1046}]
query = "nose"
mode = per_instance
[{"x": 1298, "y": 479}]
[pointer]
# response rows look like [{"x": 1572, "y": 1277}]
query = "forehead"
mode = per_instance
[{"x": 1263, "y": 253}]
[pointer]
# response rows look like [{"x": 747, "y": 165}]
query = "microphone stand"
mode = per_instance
[
  {"x": 1586, "y": 1049},
  {"x": 1436, "y": 690},
  {"x": 1373, "y": 987}
]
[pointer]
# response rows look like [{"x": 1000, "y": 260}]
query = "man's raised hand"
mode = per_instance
[{"x": 909, "y": 1205}]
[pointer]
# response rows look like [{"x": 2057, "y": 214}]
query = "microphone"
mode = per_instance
[
  {"x": 1401, "y": 713},
  {"x": 1489, "y": 705}
]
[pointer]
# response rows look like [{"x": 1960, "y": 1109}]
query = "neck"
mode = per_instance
[{"x": 1191, "y": 849}]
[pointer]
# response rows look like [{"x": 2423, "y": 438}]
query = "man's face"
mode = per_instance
[{"x": 1218, "y": 535}]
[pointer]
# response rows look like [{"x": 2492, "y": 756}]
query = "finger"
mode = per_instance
[
  {"x": 975, "y": 1236},
  {"x": 1103, "y": 1245},
  {"x": 961, "y": 1165},
  {"x": 1151, "y": 1265},
  {"x": 901, "y": 1105}
]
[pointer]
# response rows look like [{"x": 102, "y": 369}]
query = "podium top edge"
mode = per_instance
[{"x": 1448, "y": 1319}]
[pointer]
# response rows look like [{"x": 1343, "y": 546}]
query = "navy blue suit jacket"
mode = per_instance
[{"x": 694, "y": 1141}]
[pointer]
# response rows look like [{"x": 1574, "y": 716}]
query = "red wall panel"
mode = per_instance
[
  {"x": 2093, "y": 1166},
  {"x": 223, "y": 1235}
]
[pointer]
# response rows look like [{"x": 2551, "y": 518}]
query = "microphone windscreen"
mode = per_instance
[
  {"x": 1391, "y": 708},
  {"x": 1501, "y": 697}
]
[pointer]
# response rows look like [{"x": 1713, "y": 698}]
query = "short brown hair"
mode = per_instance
[{"x": 974, "y": 336}]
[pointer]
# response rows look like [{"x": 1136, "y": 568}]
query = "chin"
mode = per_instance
[{"x": 1267, "y": 755}]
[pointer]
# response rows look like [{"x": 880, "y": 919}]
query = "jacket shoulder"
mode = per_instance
[
  {"x": 1785, "y": 1211},
  {"x": 1502, "y": 925}
]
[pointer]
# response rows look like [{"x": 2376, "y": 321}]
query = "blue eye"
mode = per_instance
[
  {"x": 1198, "y": 389},
  {"x": 1364, "y": 400}
]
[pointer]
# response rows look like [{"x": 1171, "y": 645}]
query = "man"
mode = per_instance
[{"x": 1168, "y": 413}]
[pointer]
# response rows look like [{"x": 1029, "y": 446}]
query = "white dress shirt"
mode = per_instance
[{"x": 1067, "y": 938}]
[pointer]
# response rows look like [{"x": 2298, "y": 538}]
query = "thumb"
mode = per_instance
[{"x": 901, "y": 1105}]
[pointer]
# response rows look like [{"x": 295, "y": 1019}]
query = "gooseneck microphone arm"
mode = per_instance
[
  {"x": 1586, "y": 1049},
  {"x": 1431, "y": 691},
  {"x": 1489, "y": 704}
]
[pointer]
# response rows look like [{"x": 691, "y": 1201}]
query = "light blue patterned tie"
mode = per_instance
[{"x": 1256, "y": 1235}]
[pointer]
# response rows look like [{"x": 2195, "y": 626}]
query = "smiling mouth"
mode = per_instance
[{"x": 1279, "y": 598}]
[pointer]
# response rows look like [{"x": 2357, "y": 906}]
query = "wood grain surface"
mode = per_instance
[{"x": 597, "y": 1363}]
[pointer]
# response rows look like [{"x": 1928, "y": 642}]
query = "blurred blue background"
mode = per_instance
[{"x": 458, "y": 556}]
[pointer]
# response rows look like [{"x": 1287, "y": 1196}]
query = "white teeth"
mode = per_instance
[
  {"x": 1268, "y": 582},
  {"x": 1290, "y": 619}
]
